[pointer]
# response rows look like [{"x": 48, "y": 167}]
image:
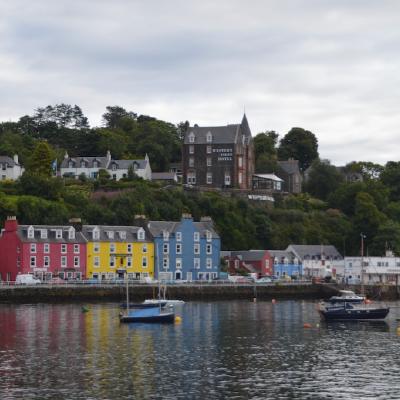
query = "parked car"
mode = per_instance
[
  {"x": 264, "y": 279},
  {"x": 26, "y": 279}
]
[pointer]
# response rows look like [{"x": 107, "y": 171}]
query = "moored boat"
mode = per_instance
[
  {"x": 144, "y": 305},
  {"x": 347, "y": 296},
  {"x": 148, "y": 315},
  {"x": 352, "y": 311}
]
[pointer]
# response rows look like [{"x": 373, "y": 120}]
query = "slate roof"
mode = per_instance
[
  {"x": 290, "y": 166},
  {"x": 22, "y": 232},
  {"x": 102, "y": 162},
  {"x": 130, "y": 232},
  {"x": 310, "y": 251},
  {"x": 220, "y": 134},
  {"x": 271, "y": 177},
  {"x": 7, "y": 160},
  {"x": 279, "y": 254},
  {"x": 125, "y": 164},
  {"x": 158, "y": 227},
  {"x": 250, "y": 255}
]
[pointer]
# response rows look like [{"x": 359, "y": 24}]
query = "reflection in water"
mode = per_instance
[{"x": 235, "y": 350}]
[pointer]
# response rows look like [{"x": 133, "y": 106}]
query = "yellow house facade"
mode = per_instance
[{"x": 118, "y": 252}]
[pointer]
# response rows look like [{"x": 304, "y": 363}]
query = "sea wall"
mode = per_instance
[{"x": 44, "y": 293}]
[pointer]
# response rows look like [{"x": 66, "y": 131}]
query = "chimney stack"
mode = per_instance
[
  {"x": 11, "y": 224},
  {"x": 16, "y": 158}
]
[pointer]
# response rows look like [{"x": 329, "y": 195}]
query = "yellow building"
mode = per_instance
[{"x": 117, "y": 252}]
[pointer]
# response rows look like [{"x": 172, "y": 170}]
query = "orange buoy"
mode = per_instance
[
  {"x": 273, "y": 301},
  {"x": 367, "y": 301},
  {"x": 307, "y": 326}
]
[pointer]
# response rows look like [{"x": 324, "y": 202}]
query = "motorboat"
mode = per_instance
[
  {"x": 148, "y": 315},
  {"x": 162, "y": 303},
  {"x": 347, "y": 296},
  {"x": 351, "y": 311}
]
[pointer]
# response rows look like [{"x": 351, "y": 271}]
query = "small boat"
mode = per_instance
[
  {"x": 144, "y": 305},
  {"x": 347, "y": 296},
  {"x": 162, "y": 301},
  {"x": 352, "y": 311},
  {"x": 149, "y": 315}
]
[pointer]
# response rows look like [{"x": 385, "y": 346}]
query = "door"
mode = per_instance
[
  {"x": 178, "y": 275},
  {"x": 189, "y": 276}
]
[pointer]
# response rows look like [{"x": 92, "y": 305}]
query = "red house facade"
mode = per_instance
[
  {"x": 45, "y": 251},
  {"x": 252, "y": 261}
]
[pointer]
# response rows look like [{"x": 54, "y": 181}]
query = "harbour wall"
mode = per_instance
[{"x": 70, "y": 293}]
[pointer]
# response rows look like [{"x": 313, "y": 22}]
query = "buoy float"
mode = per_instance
[
  {"x": 398, "y": 331},
  {"x": 273, "y": 301},
  {"x": 367, "y": 301},
  {"x": 178, "y": 319},
  {"x": 255, "y": 300},
  {"x": 307, "y": 326}
]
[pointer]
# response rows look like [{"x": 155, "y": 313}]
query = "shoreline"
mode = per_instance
[{"x": 187, "y": 292}]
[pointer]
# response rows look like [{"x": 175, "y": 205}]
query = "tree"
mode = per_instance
[
  {"x": 62, "y": 115},
  {"x": 41, "y": 160},
  {"x": 369, "y": 170},
  {"x": 265, "y": 151},
  {"x": 390, "y": 177},
  {"x": 323, "y": 180},
  {"x": 387, "y": 238},
  {"x": 299, "y": 144},
  {"x": 115, "y": 115}
]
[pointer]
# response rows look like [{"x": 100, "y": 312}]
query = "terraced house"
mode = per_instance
[
  {"x": 45, "y": 251},
  {"x": 117, "y": 252},
  {"x": 186, "y": 250}
]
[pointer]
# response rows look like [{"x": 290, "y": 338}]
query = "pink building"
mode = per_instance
[{"x": 45, "y": 251}]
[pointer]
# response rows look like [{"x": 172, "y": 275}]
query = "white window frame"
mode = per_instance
[
  {"x": 96, "y": 247},
  {"x": 144, "y": 248},
  {"x": 178, "y": 236},
  {"x": 46, "y": 248},
  {"x": 209, "y": 178},
  {"x": 165, "y": 263},
  {"x": 178, "y": 263},
  {"x": 208, "y": 248},
  {"x": 71, "y": 233},
  {"x": 110, "y": 234},
  {"x": 191, "y": 162},
  {"x": 32, "y": 261},
  {"x": 129, "y": 248},
  {"x": 43, "y": 234},
  {"x": 63, "y": 248},
  {"x": 33, "y": 247},
  {"x": 46, "y": 261},
  {"x": 196, "y": 236},
  {"x": 112, "y": 247},
  {"x": 196, "y": 248},
  {"x": 140, "y": 234},
  {"x": 191, "y": 137},
  {"x": 209, "y": 162},
  {"x": 165, "y": 235},
  {"x": 112, "y": 262},
  {"x": 178, "y": 249},
  {"x": 191, "y": 149},
  {"x": 129, "y": 262},
  {"x": 165, "y": 248},
  {"x": 76, "y": 249},
  {"x": 227, "y": 179},
  {"x": 144, "y": 262},
  {"x": 208, "y": 236},
  {"x": 209, "y": 137},
  {"x": 122, "y": 235},
  {"x": 209, "y": 149},
  {"x": 196, "y": 263},
  {"x": 63, "y": 261},
  {"x": 59, "y": 234},
  {"x": 96, "y": 234},
  {"x": 77, "y": 262},
  {"x": 96, "y": 262},
  {"x": 208, "y": 263},
  {"x": 31, "y": 233}
]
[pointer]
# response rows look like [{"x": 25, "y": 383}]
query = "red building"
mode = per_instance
[
  {"x": 45, "y": 251},
  {"x": 252, "y": 261}
]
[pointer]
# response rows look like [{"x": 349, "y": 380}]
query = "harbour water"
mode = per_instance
[{"x": 220, "y": 350}]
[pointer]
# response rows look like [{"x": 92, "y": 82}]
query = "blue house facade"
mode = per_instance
[
  {"x": 286, "y": 264},
  {"x": 186, "y": 250}
]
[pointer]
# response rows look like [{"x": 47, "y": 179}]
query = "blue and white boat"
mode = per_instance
[
  {"x": 351, "y": 311},
  {"x": 152, "y": 315},
  {"x": 347, "y": 296}
]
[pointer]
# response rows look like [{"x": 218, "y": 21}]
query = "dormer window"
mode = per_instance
[
  {"x": 71, "y": 233},
  {"x": 58, "y": 234},
  {"x": 31, "y": 232},
  {"x": 166, "y": 235},
  {"x": 209, "y": 137},
  {"x": 95, "y": 164},
  {"x": 83, "y": 164},
  {"x": 178, "y": 236},
  {"x": 196, "y": 236},
  {"x": 70, "y": 164},
  {"x": 122, "y": 235},
  {"x": 114, "y": 167},
  {"x": 208, "y": 236},
  {"x": 43, "y": 234},
  {"x": 191, "y": 137},
  {"x": 110, "y": 234},
  {"x": 96, "y": 234},
  {"x": 140, "y": 234}
]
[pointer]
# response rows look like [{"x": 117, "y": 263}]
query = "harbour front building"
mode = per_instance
[
  {"x": 186, "y": 250},
  {"x": 219, "y": 156},
  {"x": 285, "y": 264},
  {"x": 46, "y": 251},
  {"x": 118, "y": 252}
]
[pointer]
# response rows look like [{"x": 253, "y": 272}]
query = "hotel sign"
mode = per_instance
[{"x": 223, "y": 154}]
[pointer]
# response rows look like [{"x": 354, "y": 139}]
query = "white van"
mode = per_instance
[{"x": 26, "y": 279}]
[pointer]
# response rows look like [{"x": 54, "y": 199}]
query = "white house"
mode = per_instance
[
  {"x": 384, "y": 270},
  {"x": 10, "y": 168},
  {"x": 90, "y": 166},
  {"x": 318, "y": 260}
]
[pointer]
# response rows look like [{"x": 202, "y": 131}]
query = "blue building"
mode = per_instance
[
  {"x": 186, "y": 250},
  {"x": 286, "y": 264}
]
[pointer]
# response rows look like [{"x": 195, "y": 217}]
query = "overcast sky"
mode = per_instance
[{"x": 332, "y": 67}]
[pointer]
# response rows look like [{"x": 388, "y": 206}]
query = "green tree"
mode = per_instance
[
  {"x": 41, "y": 160},
  {"x": 387, "y": 238},
  {"x": 115, "y": 116},
  {"x": 390, "y": 177},
  {"x": 323, "y": 180},
  {"x": 265, "y": 152},
  {"x": 299, "y": 144}
]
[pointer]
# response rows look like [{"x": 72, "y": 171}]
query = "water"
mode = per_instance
[{"x": 221, "y": 350}]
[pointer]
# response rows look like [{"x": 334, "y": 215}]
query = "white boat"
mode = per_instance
[
  {"x": 347, "y": 296},
  {"x": 169, "y": 301}
]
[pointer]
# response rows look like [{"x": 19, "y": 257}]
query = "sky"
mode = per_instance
[{"x": 331, "y": 67}]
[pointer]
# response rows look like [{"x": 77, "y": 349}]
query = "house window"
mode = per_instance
[
  {"x": 96, "y": 247},
  {"x": 227, "y": 179},
  {"x": 76, "y": 261},
  {"x": 96, "y": 234},
  {"x": 165, "y": 235},
  {"x": 71, "y": 233},
  {"x": 144, "y": 262},
  {"x": 191, "y": 149},
  {"x": 114, "y": 167},
  {"x": 95, "y": 164},
  {"x": 209, "y": 263},
  {"x": 240, "y": 178},
  {"x": 209, "y": 178},
  {"x": 43, "y": 233},
  {"x": 122, "y": 235},
  {"x": 46, "y": 248},
  {"x": 196, "y": 263},
  {"x": 140, "y": 234},
  {"x": 191, "y": 178},
  {"x": 129, "y": 262},
  {"x": 96, "y": 262},
  {"x": 144, "y": 248},
  {"x": 208, "y": 248},
  {"x": 31, "y": 233},
  {"x": 208, "y": 236},
  {"x": 33, "y": 261},
  {"x": 58, "y": 234},
  {"x": 209, "y": 149},
  {"x": 165, "y": 263},
  {"x": 209, "y": 161},
  {"x": 129, "y": 247},
  {"x": 191, "y": 137},
  {"x": 178, "y": 248},
  {"x": 33, "y": 248},
  {"x": 63, "y": 248},
  {"x": 178, "y": 236},
  {"x": 112, "y": 261},
  {"x": 191, "y": 162},
  {"x": 178, "y": 263},
  {"x": 70, "y": 164},
  {"x": 196, "y": 248},
  {"x": 240, "y": 162},
  {"x": 83, "y": 164},
  {"x": 112, "y": 247},
  {"x": 63, "y": 261},
  {"x": 165, "y": 248},
  {"x": 46, "y": 261},
  {"x": 267, "y": 263},
  {"x": 76, "y": 248},
  {"x": 196, "y": 236},
  {"x": 209, "y": 137}
]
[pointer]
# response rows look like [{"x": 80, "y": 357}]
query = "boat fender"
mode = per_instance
[
  {"x": 178, "y": 319},
  {"x": 273, "y": 301},
  {"x": 398, "y": 331},
  {"x": 306, "y": 326}
]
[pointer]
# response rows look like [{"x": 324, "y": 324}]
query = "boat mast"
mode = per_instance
[
  {"x": 362, "y": 262},
  {"x": 127, "y": 295}
]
